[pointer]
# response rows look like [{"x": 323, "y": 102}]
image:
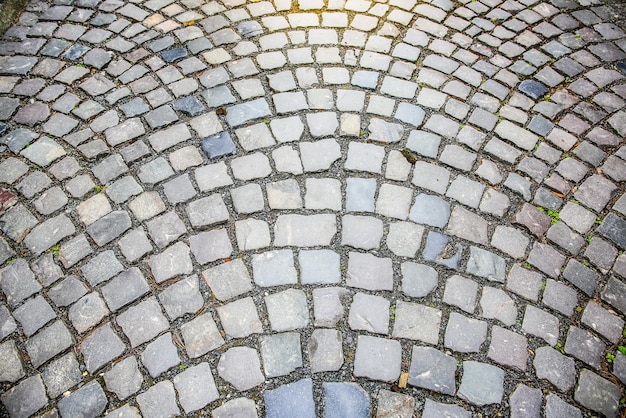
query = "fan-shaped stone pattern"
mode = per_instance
[{"x": 194, "y": 191}]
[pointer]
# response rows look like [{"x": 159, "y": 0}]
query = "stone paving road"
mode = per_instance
[{"x": 308, "y": 208}]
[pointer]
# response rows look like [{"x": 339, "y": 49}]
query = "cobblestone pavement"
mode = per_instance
[{"x": 313, "y": 208}]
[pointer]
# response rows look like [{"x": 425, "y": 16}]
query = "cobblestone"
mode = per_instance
[{"x": 434, "y": 173}]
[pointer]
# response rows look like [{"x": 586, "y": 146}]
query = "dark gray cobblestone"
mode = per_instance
[{"x": 313, "y": 208}]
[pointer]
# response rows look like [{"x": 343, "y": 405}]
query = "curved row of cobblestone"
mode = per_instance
[{"x": 341, "y": 208}]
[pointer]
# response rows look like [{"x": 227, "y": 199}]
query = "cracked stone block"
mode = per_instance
[
  {"x": 431, "y": 369},
  {"x": 159, "y": 400},
  {"x": 240, "y": 318},
  {"x": 369, "y": 313},
  {"x": 377, "y": 358},
  {"x": 481, "y": 384},
  {"x": 274, "y": 268},
  {"x": 240, "y": 366},
  {"x": 61, "y": 374},
  {"x": 465, "y": 335},
  {"x": 160, "y": 355},
  {"x": 496, "y": 304},
  {"x": 89, "y": 401},
  {"x": 369, "y": 272},
  {"x": 124, "y": 378},
  {"x": 417, "y": 322},
  {"x": 281, "y": 353},
  {"x": 597, "y": 394},
  {"x": 394, "y": 404},
  {"x": 585, "y": 346},
  {"x": 508, "y": 348},
  {"x": 196, "y": 387},
  {"x": 558, "y": 369},
  {"x": 26, "y": 398},
  {"x": 486, "y": 264},
  {"x": 252, "y": 234},
  {"x": 461, "y": 292},
  {"x": 201, "y": 335}
]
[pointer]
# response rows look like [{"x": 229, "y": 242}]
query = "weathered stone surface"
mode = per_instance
[
  {"x": 431, "y": 369},
  {"x": 304, "y": 230},
  {"x": 377, "y": 358},
  {"x": 240, "y": 366},
  {"x": 482, "y": 383},
  {"x": 345, "y": 400}
]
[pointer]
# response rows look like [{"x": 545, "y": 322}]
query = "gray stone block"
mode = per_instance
[
  {"x": 240, "y": 318},
  {"x": 240, "y": 366},
  {"x": 101, "y": 347},
  {"x": 201, "y": 335},
  {"x": 345, "y": 400},
  {"x": 377, "y": 358},
  {"x": 431, "y": 369},
  {"x": 196, "y": 387},
  {"x": 465, "y": 335},
  {"x": 281, "y": 353},
  {"x": 482, "y": 384},
  {"x": 124, "y": 378}
]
